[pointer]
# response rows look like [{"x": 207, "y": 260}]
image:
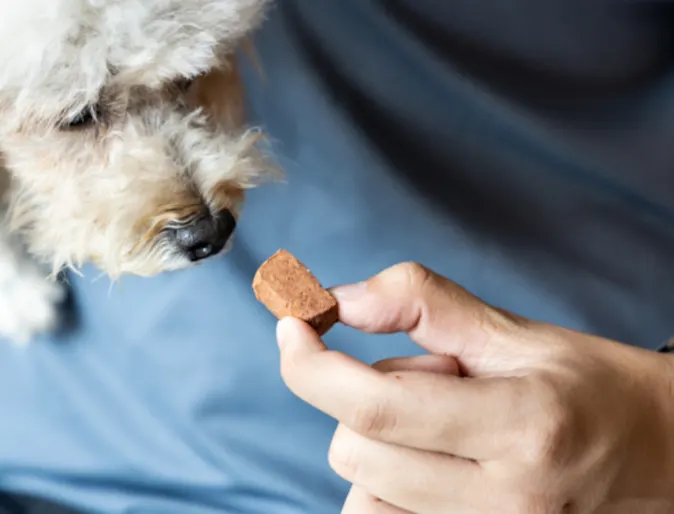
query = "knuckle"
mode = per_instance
[
  {"x": 412, "y": 274},
  {"x": 373, "y": 419},
  {"x": 342, "y": 458},
  {"x": 550, "y": 431}
]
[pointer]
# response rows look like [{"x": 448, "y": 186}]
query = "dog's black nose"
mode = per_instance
[{"x": 206, "y": 236}]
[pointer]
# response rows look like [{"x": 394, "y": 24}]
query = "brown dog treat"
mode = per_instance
[{"x": 287, "y": 288}]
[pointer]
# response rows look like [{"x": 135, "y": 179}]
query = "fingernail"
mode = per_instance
[
  {"x": 286, "y": 331},
  {"x": 350, "y": 291}
]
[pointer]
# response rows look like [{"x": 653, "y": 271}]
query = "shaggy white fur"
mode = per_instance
[{"x": 120, "y": 124}]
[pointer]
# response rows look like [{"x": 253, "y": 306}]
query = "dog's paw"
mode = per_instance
[{"x": 29, "y": 302}]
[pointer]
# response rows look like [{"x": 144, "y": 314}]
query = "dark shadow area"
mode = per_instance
[
  {"x": 69, "y": 320},
  {"x": 537, "y": 84},
  {"x": 20, "y": 504}
]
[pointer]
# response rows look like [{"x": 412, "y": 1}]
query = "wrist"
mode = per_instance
[
  {"x": 649, "y": 470},
  {"x": 666, "y": 405}
]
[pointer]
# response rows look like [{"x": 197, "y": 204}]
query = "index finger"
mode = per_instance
[
  {"x": 329, "y": 380},
  {"x": 469, "y": 418}
]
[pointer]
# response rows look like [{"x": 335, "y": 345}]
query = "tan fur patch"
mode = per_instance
[{"x": 220, "y": 94}]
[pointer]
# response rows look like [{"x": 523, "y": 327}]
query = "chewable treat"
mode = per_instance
[{"x": 287, "y": 288}]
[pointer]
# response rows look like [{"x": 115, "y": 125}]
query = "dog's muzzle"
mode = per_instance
[{"x": 205, "y": 236}]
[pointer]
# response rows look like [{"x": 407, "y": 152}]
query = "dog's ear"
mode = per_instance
[{"x": 220, "y": 94}]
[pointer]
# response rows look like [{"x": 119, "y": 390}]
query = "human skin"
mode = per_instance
[{"x": 503, "y": 415}]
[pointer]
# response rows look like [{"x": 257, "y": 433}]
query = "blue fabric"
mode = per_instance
[
  {"x": 521, "y": 151},
  {"x": 19, "y": 504}
]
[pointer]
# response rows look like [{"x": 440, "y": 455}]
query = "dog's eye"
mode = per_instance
[
  {"x": 83, "y": 119},
  {"x": 184, "y": 84}
]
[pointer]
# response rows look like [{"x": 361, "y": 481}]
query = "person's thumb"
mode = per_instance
[{"x": 438, "y": 314}]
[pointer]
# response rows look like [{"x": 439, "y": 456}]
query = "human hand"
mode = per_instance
[{"x": 506, "y": 415}]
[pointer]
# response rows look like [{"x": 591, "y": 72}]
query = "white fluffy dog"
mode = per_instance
[{"x": 121, "y": 141}]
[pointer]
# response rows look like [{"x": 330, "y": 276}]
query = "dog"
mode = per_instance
[{"x": 122, "y": 142}]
